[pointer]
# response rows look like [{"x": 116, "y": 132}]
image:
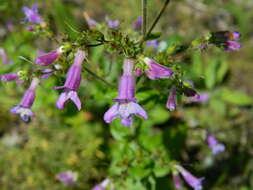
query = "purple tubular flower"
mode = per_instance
[
  {"x": 138, "y": 23},
  {"x": 24, "y": 107},
  {"x": 32, "y": 14},
  {"x": 9, "y": 77},
  {"x": 113, "y": 24},
  {"x": 214, "y": 145},
  {"x": 68, "y": 178},
  {"x": 195, "y": 183},
  {"x": 156, "y": 70},
  {"x": 177, "y": 180},
  {"x": 125, "y": 106},
  {"x": 153, "y": 43},
  {"x": 231, "y": 45},
  {"x": 92, "y": 22},
  {"x": 200, "y": 98},
  {"x": 72, "y": 82},
  {"x": 172, "y": 99},
  {"x": 45, "y": 59},
  {"x": 102, "y": 185},
  {"x": 4, "y": 57}
]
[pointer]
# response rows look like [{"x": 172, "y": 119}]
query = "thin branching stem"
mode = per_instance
[
  {"x": 156, "y": 20},
  {"x": 98, "y": 77},
  {"x": 144, "y": 17}
]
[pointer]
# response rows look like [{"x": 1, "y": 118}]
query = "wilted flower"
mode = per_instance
[
  {"x": 45, "y": 59},
  {"x": 9, "y": 77},
  {"x": 200, "y": 98},
  {"x": 190, "y": 92},
  {"x": 153, "y": 43},
  {"x": 138, "y": 23},
  {"x": 24, "y": 107},
  {"x": 214, "y": 145},
  {"x": 195, "y": 183},
  {"x": 4, "y": 57},
  {"x": 32, "y": 14},
  {"x": 72, "y": 82},
  {"x": 102, "y": 185},
  {"x": 177, "y": 180},
  {"x": 232, "y": 45},
  {"x": 125, "y": 106},
  {"x": 68, "y": 178},
  {"x": 172, "y": 99},
  {"x": 227, "y": 40},
  {"x": 112, "y": 24},
  {"x": 155, "y": 70}
]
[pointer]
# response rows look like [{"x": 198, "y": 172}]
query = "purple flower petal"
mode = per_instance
[
  {"x": 214, "y": 145},
  {"x": 74, "y": 97},
  {"x": 61, "y": 100},
  {"x": 138, "y": 23},
  {"x": 177, "y": 180},
  {"x": 32, "y": 15},
  {"x": 236, "y": 36},
  {"x": 9, "y": 77},
  {"x": 156, "y": 71},
  {"x": 172, "y": 99},
  {"x": 140, "y": 111},
  {"x": 68, "y": 178},
  {"x": 191, "y": 180},
  {"x": 232, "y": 45},
  {"x": 111, "y": 114},
  {"x": 153, "y": 43},
  {"x": 47, "y": 59},
  {"x": 4, "y": 57},
  {"x": 127, "y": 121},
  {"x": 102, "y": 185}
]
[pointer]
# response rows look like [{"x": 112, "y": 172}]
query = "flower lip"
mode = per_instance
[{"x": 24, "y": 112}]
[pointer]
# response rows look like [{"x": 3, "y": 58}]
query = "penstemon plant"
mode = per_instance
[{"x": 137, "y": 158}]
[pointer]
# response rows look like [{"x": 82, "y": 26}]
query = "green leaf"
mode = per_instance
[
  {"x": 154, "y": 36},
  {"x": 161, "y": 170},
  {"x": 218, "y": 106},
  {"x": 118, "y": 131},
  {"x": 159, "y": 115},
  {"x": 210, "y": 74},
  {"x": 235, "y": 97},
  {"x": 64, "y": 19},
  {"x": 197, "y": 67},
  {"x": 222, "y": 70},
  {"x": 141, "y": 168}
]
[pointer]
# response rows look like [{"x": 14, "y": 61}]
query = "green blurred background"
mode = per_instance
[{"x": 32, "y": 155}]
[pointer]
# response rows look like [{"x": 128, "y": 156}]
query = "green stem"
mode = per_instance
[
  {"x": 144, "y": 17},
  {"x": 156, "y": 20},
  {"x": 99, "y": 78}
]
